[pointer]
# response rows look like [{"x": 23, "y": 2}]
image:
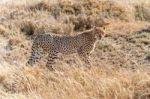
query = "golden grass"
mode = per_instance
[
  {"x": 77, "y": 83},
  {"x": 119, "y": 70}
]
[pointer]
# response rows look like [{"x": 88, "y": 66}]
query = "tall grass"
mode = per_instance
[{"x": 22, "y": 20}]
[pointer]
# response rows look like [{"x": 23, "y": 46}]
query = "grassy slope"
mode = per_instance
[{"x": 120, "y": 61}]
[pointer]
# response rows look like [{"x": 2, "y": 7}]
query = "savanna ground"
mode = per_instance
[{"x": 121, "y": 60}]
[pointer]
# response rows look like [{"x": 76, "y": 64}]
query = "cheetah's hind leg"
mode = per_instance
[
  {"x": 53, "y": 55},
  {"x": 35, "y": 57}
]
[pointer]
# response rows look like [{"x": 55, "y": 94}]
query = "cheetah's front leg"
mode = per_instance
[
  {"x": 85, "y": 57},
  {"x": 51, "y": 59}
]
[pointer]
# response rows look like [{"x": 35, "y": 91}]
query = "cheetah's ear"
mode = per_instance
[
  {"x": 94, "y": 27},
  {"x": 104, "y": 28},
  {"x": 105, "y": 25}
]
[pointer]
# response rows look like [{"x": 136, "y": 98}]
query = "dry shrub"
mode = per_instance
[
  {"x": 43, "y": 5},
  {"x": 28, "y": 27},
  {"x": 142, "y": 12},
  {"x": 142, "y": 37},
  {"x": 54, "y": 9},
  {"x": 18, "y": 13},
  {"x": 32, "y": 28},
  {"x": 62, "y": 6},
  {"x": 14, "y": 42},
  {"x": 83, "y": 22},
  {"x": 112, "y": 9},
  {"x": 71, "y": 7},
  {"x": 82, "y": 15},
  {"x": 108, "y": 9}
]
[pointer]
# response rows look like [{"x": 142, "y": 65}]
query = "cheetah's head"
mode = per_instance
[{"x": 98, "y": 32}]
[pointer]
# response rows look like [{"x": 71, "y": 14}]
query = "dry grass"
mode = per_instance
[{"x": 120, "y": 61}]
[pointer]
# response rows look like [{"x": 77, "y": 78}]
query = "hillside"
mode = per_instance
[{"x": 121, "y": 60}]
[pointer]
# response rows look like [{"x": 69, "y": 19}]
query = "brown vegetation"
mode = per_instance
[{"x": 120, "y": 61}]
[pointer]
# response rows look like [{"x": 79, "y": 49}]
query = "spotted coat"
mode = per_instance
[{"x": 82, "y": 44}]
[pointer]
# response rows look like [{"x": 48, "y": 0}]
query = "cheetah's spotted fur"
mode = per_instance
[{"x": 82, "y": 44}]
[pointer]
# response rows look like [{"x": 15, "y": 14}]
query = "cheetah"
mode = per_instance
[{"x": 82, "y": 44}]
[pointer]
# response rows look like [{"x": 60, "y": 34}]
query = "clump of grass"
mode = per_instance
[
  {"x": 32, "y": 28},
  {"x": 14, "y": 42},
  {"x": 28, "y": 27},
  {"x": 142, "y": 12},
  {"x": 43, "y": 5},
  {"x": 106, "y": 47},
  {"x": 83, "y": 22},
  {"x": 142, "y": 37},
  {"x": 69, "y": 7},
  {"x": 108, "y": 9}
]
